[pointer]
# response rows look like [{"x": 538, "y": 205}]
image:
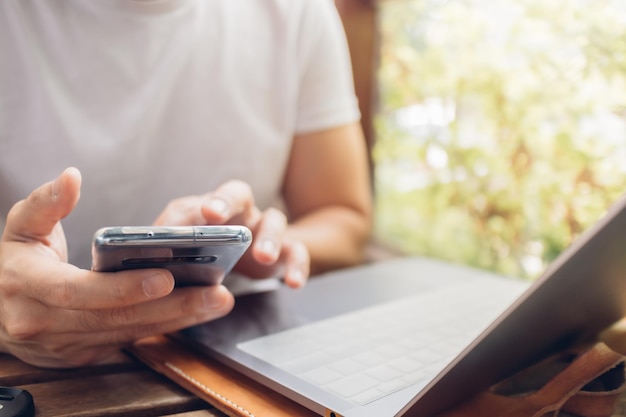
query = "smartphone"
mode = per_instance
[{"x": 196, "y": 255}]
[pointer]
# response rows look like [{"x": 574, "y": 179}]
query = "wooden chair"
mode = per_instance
[{"x": 360, "y": 23}]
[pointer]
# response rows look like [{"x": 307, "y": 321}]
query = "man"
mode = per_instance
[{"x": 169, "y": 112}]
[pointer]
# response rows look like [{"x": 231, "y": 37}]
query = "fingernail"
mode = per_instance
[
  {"x": 156, "y": 285},
  {"x": 296, "y": 276},
  {"x": 268, "y": 246},
  {"x": 212, "y": 299},
  {"x": 218, "y": 206}
]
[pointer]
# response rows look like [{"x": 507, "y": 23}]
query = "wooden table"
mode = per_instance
[{"x": 125, "y": 387}]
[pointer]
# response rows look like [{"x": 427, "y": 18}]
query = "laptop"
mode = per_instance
[{"x": 415, "y": 336}]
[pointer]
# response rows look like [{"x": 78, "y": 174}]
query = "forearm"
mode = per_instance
[
  {"x": 328, "y": 197},
  {"x": 336, "y": 236}
]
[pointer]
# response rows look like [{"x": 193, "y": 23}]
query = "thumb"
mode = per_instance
[{"x": 34, "y": 218}]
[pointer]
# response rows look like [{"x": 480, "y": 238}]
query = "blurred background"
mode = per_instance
[{"x": 500, "y": 128}]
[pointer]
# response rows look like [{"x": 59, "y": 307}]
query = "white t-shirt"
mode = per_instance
[{"x": 153, "y": 100}]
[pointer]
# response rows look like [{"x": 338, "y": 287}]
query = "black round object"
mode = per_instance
[{"x": 15, "y": 402}]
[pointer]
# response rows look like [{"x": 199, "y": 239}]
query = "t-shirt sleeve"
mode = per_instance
[{"x": 326, "y": 88}]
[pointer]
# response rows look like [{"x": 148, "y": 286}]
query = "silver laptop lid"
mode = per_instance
[{"x": 582, "y": 292}]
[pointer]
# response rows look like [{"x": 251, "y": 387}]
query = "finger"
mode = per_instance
[
  {"x": 62, "y": 285},
  {"x": 182, "y": 212},
  {"x": 231, "y": 202},
  {"x": 82, "y": 338},
  {"x": 615, "y": 336},
  {"x": 297, "y": 263},
  {"x": 268, "y": 236},
  {"x": 183, "y": 308},
  {"x": 35, "y": 217}
]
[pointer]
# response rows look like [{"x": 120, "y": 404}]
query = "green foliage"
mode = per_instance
[{"x": 501, "y": 134}]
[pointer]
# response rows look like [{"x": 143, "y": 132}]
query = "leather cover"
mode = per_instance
[
  {"x": 227, "y": 390},
  {"x": 587, "y": 383}
]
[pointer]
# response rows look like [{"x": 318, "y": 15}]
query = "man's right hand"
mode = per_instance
[{"x": 54, "y": 314}]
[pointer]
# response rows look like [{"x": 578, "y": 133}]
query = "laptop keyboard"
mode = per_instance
[{"x": 367, "y": 354}]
